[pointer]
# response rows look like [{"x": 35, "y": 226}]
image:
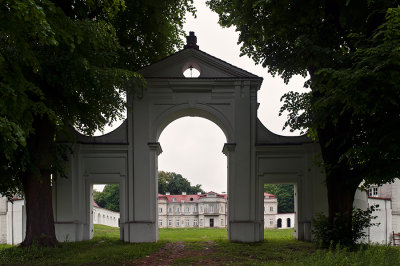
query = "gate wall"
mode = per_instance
[{"x": 223, "y": 94}]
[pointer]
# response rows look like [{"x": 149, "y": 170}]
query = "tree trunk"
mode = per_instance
[
  {"x": 340, "y": 201},
  {"x": 341, "y": 182},
  {"x": 37, "y": 186}
]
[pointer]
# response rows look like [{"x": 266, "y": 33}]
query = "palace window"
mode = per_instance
[
  {"x": 159, "y": 209},
  {"x": 194, "y": 209},
  {"x": 178, "y": 209},
  {"x": 169, "y": 222},
  {"x": 160, "y": 222},
  {"x": 271, "y": 209},
  {"x": 195, "y": 222},
  {"x": 177, "y": 223},
  {"x": 187, "y": 222},
  {"x": 373, "y": 191},
  {"x": 187, "y": 209},
  {"x": 169, "y": 209},
  {"x": 271, "y": 221},
  {"x": 211, "y": 208},
  {"x": 174, "y": 199}
]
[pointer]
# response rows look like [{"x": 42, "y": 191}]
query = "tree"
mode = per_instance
[
  {"x": 68, "y": 63},
  {"x": 175, "y": 184},
  {"x": 285, "y": 195},
  {"x": 350, "y": 49},
  {"x": 108, "y": 198}
]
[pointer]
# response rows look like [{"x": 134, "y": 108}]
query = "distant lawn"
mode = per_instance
[
  {"x": 200, "y": 246},
  {"x": 191, "y": 234}
]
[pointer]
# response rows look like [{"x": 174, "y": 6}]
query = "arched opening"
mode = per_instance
[
  {"x": 192, "y": 150},
  {"x": 191, "y": 70},
  {"x": 279, "y": 209},
  {"x": 106, "y": 206}
]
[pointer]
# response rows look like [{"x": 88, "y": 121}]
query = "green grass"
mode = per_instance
[
  {"x": 104, "y": 248},
  {"x": 192, "y": 234},
  {"x": 279, "y": 248}
]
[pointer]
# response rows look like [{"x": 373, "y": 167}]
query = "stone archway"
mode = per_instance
[{"x": 222, "y": 93}]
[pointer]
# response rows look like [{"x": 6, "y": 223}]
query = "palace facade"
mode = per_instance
[{"x": 210, "y": 210}]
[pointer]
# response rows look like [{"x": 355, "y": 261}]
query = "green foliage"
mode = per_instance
[
  {"x": 285, "y": 195},
  {"x": 350, "y": 49},
  {"x": 108, "y": 198},
  {"x": 71, "y": 63},
  {"x": 175, "y": 184},
  {"x": 328, "y": 234},
  {"x": 369, "y": 255}
]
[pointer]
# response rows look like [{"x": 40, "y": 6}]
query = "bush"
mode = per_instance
[{"x": 328, "y": 233}]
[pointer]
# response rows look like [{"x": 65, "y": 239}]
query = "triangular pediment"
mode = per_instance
[{"x": 209, "y": 66}]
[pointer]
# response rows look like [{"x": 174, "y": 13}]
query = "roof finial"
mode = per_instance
[{"x": 191, "y": 41}]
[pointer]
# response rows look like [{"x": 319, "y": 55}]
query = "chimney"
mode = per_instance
[
  {"x": 198, "y": 193},
  {"x": 167, "y": 193},
  {"x": 191, "y": 41},
  {"x": 183, "y": 193}
]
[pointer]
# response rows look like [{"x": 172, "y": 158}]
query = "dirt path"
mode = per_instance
[{"x": 173, "y": 252}]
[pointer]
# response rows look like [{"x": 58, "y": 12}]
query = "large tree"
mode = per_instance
[
  {"x": 108, "y": 198},
  {"x": 285, "y": 195},
  {"x": 69, "y": 63},
  {"x": 350, "y": 50},
  {"x": 175, "y": 184}
]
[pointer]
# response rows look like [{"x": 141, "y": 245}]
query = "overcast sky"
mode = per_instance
[{"x": 193, "y": 146}]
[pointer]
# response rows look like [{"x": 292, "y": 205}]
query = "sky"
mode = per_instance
[{"x": 193, "y": 146}]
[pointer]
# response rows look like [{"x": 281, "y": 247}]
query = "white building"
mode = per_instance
[
  {"x": 201, "y": 210},
  {"x": 387, "y": 197},
  {"x": 104, "y": 216},
  {"x": 210, "y": 210},
  {"x": 12, "y": 221}
]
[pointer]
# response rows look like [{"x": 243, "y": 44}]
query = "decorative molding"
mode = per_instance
[
  {"x": 228, "y": 148},
  {"x": 155, "y": 146}
]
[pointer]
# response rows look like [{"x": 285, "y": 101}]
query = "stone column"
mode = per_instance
[{"x": 143, "y": 227}]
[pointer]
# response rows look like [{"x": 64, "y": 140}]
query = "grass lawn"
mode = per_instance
[{"x": 196, "y": 246}]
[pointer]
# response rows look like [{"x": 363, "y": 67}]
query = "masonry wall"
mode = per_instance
[
  {"x": 381, "y": 233},
  {"x": 105, "y": 217},
  {"x": 287, "y": 220},
  {"x": 3, "y": 220},
  {"x": 396, "y": 206}
]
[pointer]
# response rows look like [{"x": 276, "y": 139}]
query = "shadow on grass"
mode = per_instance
[{"x": 104, "y": 248}]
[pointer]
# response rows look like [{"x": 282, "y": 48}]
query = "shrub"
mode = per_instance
[{"x": 328, "y": 233}]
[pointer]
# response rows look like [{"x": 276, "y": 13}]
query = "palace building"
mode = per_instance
[
  {"x": 174, "y": 211},
  {"x": 211, "y": 210}
]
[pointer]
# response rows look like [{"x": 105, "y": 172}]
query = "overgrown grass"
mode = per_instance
[
  {"x": 279, "y": 248},
  {"x": 366, "y": 255},
  {"x": 105, "y": 248}
]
